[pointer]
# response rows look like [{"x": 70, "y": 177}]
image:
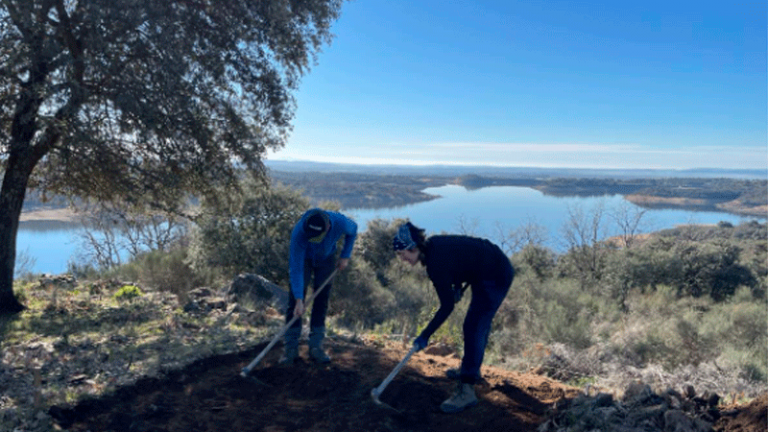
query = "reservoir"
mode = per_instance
[{"x": 485, "y": 212}]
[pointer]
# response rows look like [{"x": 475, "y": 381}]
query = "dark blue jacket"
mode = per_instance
[{"x": 452, "y": 261}]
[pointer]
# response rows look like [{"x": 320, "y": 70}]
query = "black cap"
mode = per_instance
[{"x": 315, "y": 225}]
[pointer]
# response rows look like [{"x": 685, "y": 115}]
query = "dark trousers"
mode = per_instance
[
  {"x": 321, "y": 272},
  {"x": 486, "y": 300}
]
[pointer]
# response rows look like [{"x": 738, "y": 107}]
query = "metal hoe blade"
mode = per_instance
[{"x": 375, "y": 393}]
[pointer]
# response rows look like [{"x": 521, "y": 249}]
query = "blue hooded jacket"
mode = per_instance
[{"x": 302, "y": 250}]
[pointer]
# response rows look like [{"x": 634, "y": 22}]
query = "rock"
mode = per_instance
[
  {"x": 439, "y": 350},
  {"x": 192, "y": 306},
  {"x": 204, "y": 300},
  {"x": 604, "y": 399},
  {"x": 678, "y": 421},
  {"x": 689, "y": 391},
  {"x": 248, "y": 287},
  {"x": 712, "y": 399},
  {"x": 639, "y": 410},
  {"x": 637, "y": 392}
]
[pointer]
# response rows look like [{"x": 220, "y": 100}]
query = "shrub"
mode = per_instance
[
  {"x": 128, "y": 293},
  {"x": 358, "y": 299},
  {"x": 374, "y": 245},
  {"x": 253, "y": 236},
  {"x": 537, "y": 259}
]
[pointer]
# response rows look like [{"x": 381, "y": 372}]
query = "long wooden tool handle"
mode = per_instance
[
  {"x": 246, "y": 370},
  {"x": 380, "y": 389}
]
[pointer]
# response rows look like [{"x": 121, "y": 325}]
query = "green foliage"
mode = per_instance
[
  {"x": 218, "y": 96},
  {"x": 537, "y": 259},
  {"x": 696, "y": 268},
  {"x": 358, "y": 299},
  {"x": 127, "y": 293},
  {"x": 165, "y": 271},
  {"x": 252, "y": 236},
  {"x": 553, "y": 310},
  {"x": 374, "y": 245}
]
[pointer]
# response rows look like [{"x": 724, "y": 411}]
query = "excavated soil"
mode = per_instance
[{"x": 210, "y": 395}]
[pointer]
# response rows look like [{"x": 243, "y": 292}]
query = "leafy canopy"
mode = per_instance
[{"x": 140, "y": 98}]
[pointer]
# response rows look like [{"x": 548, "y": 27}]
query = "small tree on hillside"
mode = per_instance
[
  {"x": 375, "y": 245},
  {"x": 144, "y": 99},
  {"x": 254, "y": 235},
  {"x": 583, "y": 233},
  {"x": 114, "y": 230}
]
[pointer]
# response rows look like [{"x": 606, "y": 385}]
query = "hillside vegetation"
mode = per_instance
[{"x": 681, "y": 306}]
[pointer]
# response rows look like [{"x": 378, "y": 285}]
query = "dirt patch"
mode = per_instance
[
  {"x": 210, "y": 395},
  {"x": 752, "y": 417}
]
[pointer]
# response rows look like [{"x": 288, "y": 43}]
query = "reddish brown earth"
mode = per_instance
[{"x": 210, "y": 395}]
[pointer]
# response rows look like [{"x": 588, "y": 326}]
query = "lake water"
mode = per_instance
[
  {"x": 479, "y": 212},
  {"x": 483, "y": 211}
]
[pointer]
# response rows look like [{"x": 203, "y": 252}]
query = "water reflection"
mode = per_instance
[
  {"x": 481, "y": 212},
  {"x": 48, "y": 225}
]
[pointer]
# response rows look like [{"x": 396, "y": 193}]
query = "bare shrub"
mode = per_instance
[{"x": 23, "y": 265}]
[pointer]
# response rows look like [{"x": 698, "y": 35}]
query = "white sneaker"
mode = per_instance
[{"x": 463, "y": 398}]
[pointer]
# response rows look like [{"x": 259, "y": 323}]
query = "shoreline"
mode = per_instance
[
  {"x": 55, "y": 215},
  {"x": 679, "y": 203},
  {"x": 68, "y": 215}
]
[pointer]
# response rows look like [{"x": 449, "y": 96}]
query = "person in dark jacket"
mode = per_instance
[
  {"x": 454, "y": 262},
  {"x": 313, "y": 249}
]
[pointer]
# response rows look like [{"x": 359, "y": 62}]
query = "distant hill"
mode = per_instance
[{"x": 517, "y": 172}]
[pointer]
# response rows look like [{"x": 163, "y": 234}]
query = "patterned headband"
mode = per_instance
[{"x": 403, "y": 239}]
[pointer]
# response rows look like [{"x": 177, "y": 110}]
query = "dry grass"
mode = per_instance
[{"x": 75, "y": 343}]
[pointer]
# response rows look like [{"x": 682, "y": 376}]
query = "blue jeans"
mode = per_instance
[{"x": 477, "y": 324}]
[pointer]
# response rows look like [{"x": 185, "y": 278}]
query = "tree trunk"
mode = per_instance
[
  {"x": 11, "y": 200},
  {"x": 22, "y": 158},
  {"x": 21, "y": 162}
]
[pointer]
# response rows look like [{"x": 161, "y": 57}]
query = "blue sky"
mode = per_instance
[{"x": 582, "y": 84}]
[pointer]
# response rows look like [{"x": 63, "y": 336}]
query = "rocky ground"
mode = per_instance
[{"x": 210, "y": 395}]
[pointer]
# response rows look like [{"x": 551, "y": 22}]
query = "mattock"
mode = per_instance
[{"x": 375, "y": 393}]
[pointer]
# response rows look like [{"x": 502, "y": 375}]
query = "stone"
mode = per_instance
[{"x": 255, "y": 288}]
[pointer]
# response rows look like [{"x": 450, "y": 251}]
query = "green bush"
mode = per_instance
[
  {"x": 374, "y": 245},
  {"x": 358, "y": 299},
  {"x": 128, "y": 293},
  {"x": 254, "y": 236},
  {"x": 537, "y": 259}
]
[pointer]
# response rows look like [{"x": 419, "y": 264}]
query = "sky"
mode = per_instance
[{"x": 672, "y": 84}]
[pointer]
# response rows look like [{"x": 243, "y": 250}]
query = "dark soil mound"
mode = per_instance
[{"x": 210, "y": 395}]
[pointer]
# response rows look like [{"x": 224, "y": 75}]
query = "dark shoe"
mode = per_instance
[
  {"x": 289, "y": 356},
  {"x": 318, "y": 355},
  {"x": 453, "y": 373},
  {"x": 463, "y": 398}
]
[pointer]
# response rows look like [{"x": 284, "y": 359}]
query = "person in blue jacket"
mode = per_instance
[
  {"x": 453, "y": 263},
  {"x": 313, "y": 250}
]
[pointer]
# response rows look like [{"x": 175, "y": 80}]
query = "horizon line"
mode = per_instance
[{"x": 496, "y": 166}]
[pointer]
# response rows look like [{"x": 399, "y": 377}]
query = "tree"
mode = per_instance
[
  {"x": 583, "y": 233},
  {"x": 114, "y": 230},
  {"x": 374, "y": 245},
  {"x": 252, "y": 236},
  {"x": 628, "y": 218},
  {"x": 143, "y": 99}
]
